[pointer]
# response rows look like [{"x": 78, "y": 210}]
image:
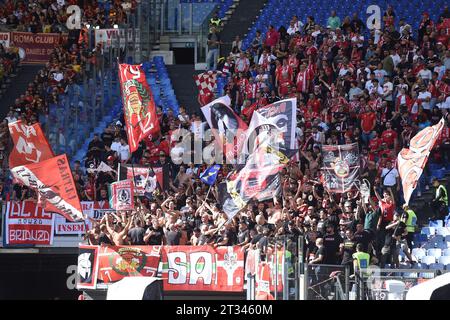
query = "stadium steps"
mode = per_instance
[
  {"x": 421, "y": 205},
  {"x": 239, "y": 22},
  {"x": 184, "y": 86},
  {"x": 17, "y": 87}
]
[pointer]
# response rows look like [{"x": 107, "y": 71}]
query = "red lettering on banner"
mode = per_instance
[
  {"x": 203, "y": 268},
  {"x": 26, "y": 223}
]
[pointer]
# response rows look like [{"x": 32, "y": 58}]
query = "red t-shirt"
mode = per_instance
[
  {"x": 387, "y": 211},
  {"x": 389, "y": 136},
  {"x": 375, "y": 144},
  {"x": 368, "y": 119}
]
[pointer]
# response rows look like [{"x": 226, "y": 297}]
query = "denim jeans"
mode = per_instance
[
  {"x": 212, "y": 54},
  {"x": 365, "y": 137}
]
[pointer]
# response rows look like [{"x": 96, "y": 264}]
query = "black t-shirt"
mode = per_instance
[
  {"x": 331, "y": 244},
  {"x": 104, "y": 239},
  {"x": 363, "y": 238},
  {"x": 256, "y": 239},
  {"x": 321, "y": 252},
  {"x": 156, "y": 238},
  {"x": 173, "y": 238},
  {"x": 231, "y": 237},
  {"x": 107, "y": 138},
  {"x": 349, "y": 250},
  {"x": 400, "y": 229},
  {"x": 137, "y": 236},
  {"x": 243, "y": 236}
]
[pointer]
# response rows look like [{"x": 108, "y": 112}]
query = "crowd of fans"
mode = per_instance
[
  {"x": 51, "y": 15},
  {"x": 377, "y": 91}
]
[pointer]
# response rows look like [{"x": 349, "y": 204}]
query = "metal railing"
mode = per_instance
[{"x": 374, "y": 283}]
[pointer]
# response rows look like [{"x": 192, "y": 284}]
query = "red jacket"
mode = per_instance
[{"x": 272, "y": 38}]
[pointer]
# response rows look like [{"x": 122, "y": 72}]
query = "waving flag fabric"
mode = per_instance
[
  {"x": 138, "y": 105},
  {"x": 227, "y": 127},
  {"x": 30, "y": 144},
  {"x": 340, "y": 169},
  {"x": 52, "y": 179},
  {"x": 411, "y": 161},
  {"x": 209, "y": 176}
]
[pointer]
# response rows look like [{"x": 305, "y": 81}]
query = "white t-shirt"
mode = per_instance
[
  {"x": 389, "y": 177},
  {"x": 291, "y": 30},
  {"x": 388, "y": 87},
  {"x": 124, "y": 152},
  {"x": 378, "y": 90},
  {"x": 396, "y": 59},
  {"x": 445, "y": 104},
  {"x": 422, "y": 96},
  {"x": 115, "y": 146},
  {"x": 425, "y": 74}
]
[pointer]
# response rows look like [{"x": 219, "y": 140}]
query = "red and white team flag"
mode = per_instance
[
  {"x": 138, "y": 104},
  {"x": 52, "y": 179},
  {"x": 122, "y": 195},
  {"x": 411, "y": 161},
  {"x": 206, "y": 83},
  {"x": 30, "y": 144}
]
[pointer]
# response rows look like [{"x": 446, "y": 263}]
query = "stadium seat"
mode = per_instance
[
  {"x": 436, "y": 223},
  {"x": 419, "y": 238},
  {"x": 437, "y": 239},
  {"x": 443, "y": 231},
  {"x": 446, "y": 252},
  {"x": 418, "y": 253},
  {"x": 436, "y": 252},
  {"x": 436, "y": 266},
  {"x": 428, "y": 231},
  {"x": 428, "y": 260},
  {"x": 445, "y": 260}
]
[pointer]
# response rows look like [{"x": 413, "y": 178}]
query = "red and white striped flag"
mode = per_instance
[{"x": 206, "y": 82}]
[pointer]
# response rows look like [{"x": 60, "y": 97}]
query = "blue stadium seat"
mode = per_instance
[
  {"x": 436, "y": 223},
  {"x": 445, "y": 260},
  {"x": 418, "y": 253},
  {"x": 435, "y": 252},
  {"x": 428, "y": 260},
  {"x": 428, "y": 231},
  {"x": 443, "y": 231},
  {"x": 436, "y": 266}
]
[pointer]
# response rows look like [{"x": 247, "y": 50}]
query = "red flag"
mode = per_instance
[
  {"x": 412, "y": 161},
  {"x": 138, "y": 104},
  {"x": 122, "y": 195},
  {"x": 248, "y": 111},
  {"x": 30, "y": 144},
  {"x": 52, "y": 179},
  {"x": 206, "y": 82}
]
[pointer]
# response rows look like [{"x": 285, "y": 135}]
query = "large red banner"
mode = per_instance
[
  {"x": 138, "y": 104},
  {"x": 27, "y": 224},
  {"x": 203, "y": 268},
  {"x": 30, "y": 144},
  {"x": 117, "y": 262},
  {"x": 53, "y": 181},
  {"x": 35, "y": 47}
]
